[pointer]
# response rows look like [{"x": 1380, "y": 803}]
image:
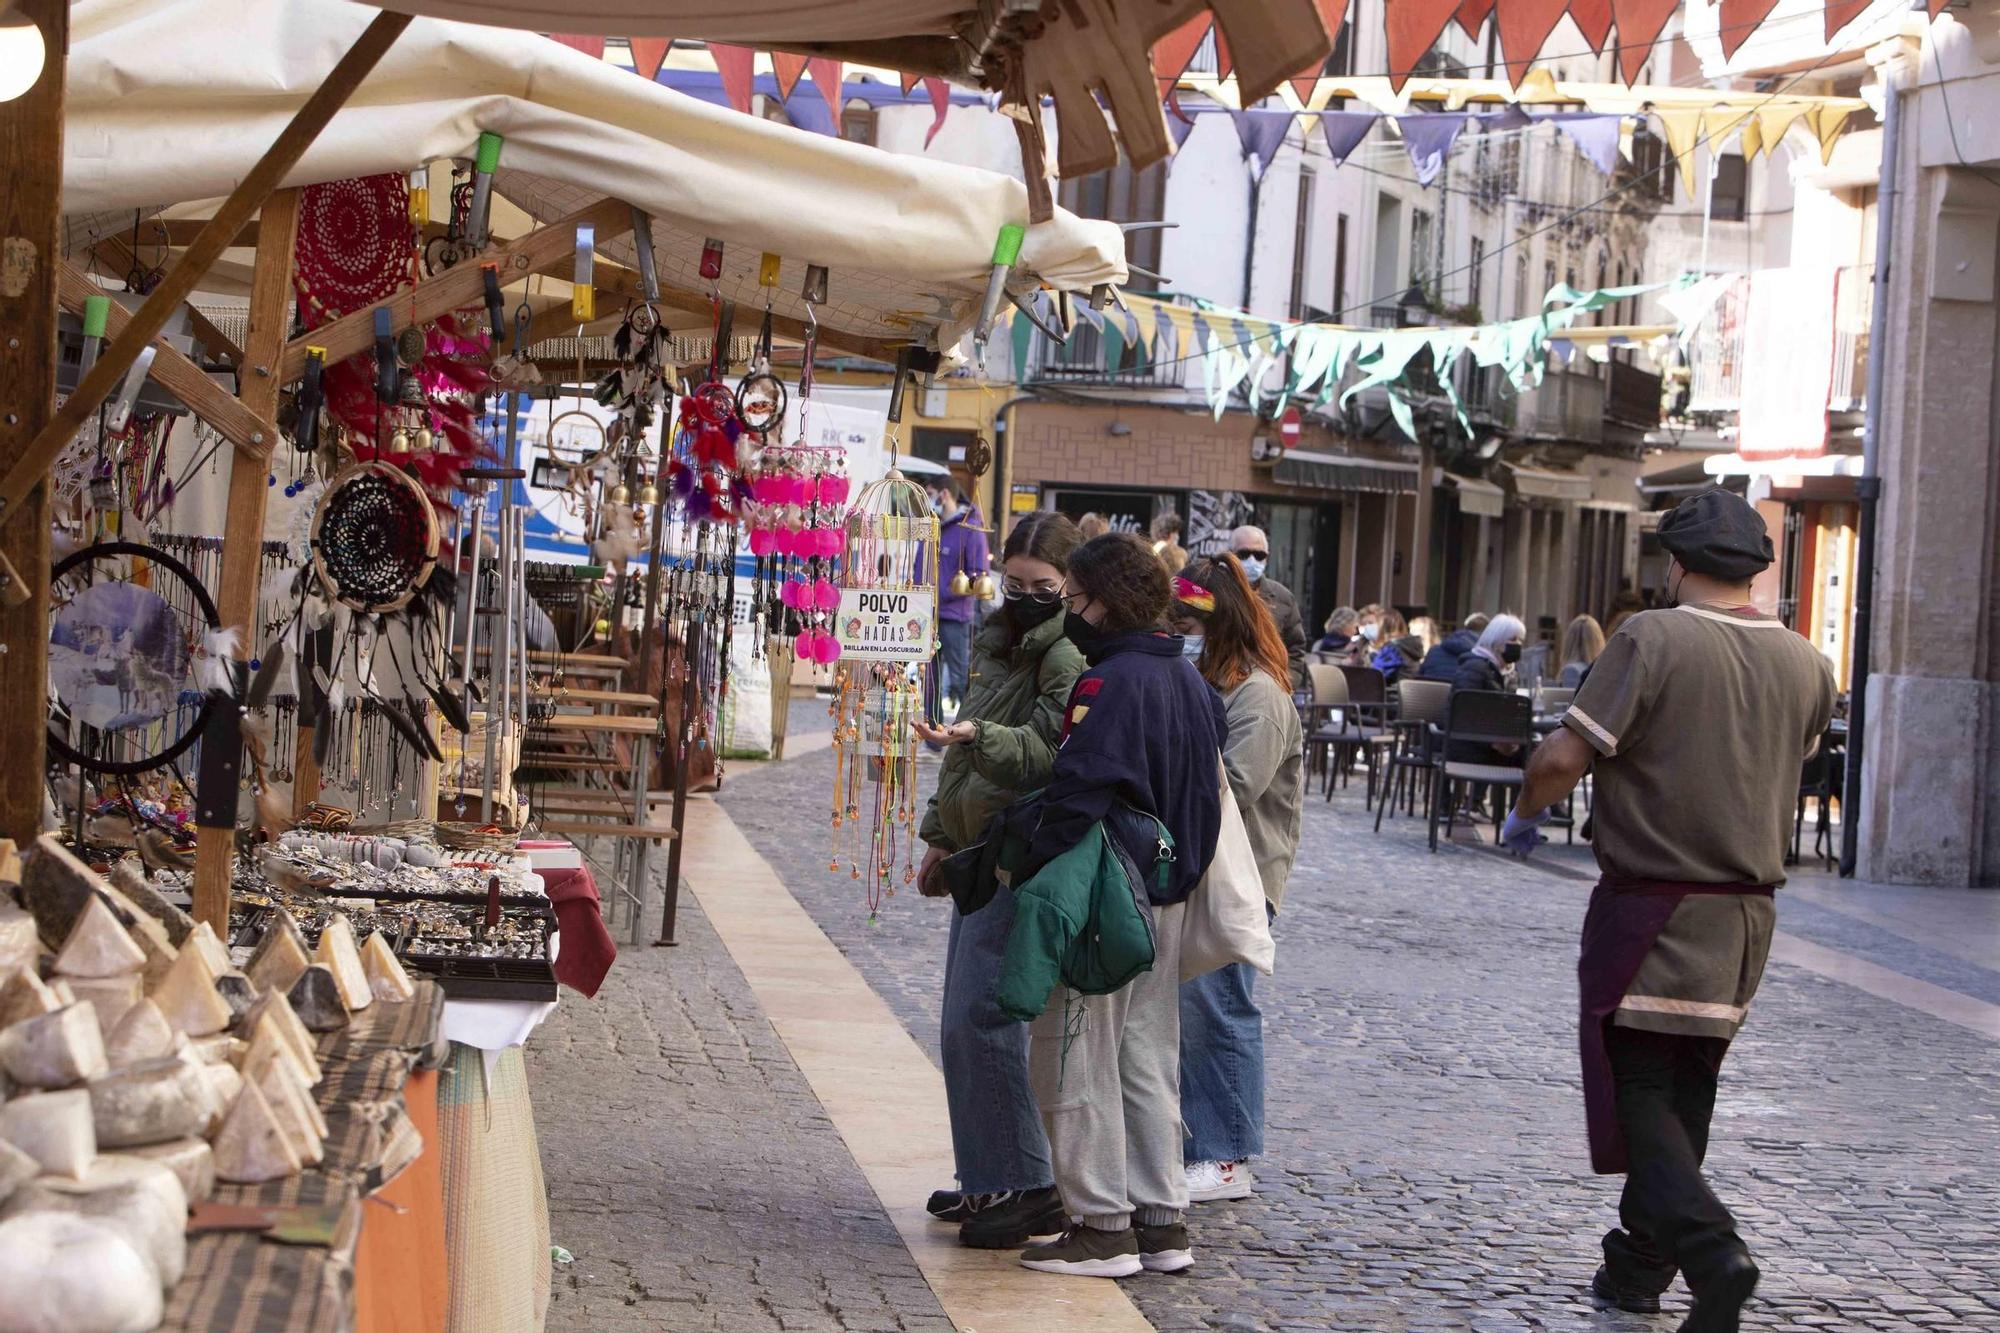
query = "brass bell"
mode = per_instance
[
  {"x": 960, "y": 585},
  {"x": 425, "y": 440},
  {"x": 620, "y": 494},
  {"x": 649, "y": 494},
  {"x": 982, "y": 587},
  {"x": 399, "y": 443}
]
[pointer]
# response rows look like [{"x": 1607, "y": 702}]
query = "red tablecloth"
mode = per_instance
[{"x": 587, "y": 952}]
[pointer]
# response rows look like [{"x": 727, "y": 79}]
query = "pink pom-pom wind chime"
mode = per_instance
[{"x": 887, "y": 610}]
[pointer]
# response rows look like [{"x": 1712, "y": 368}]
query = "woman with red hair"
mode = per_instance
[{"x": 1236, "y": 647}]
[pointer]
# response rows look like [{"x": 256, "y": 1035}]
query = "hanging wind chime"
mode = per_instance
[{"x": 886, "y": 630}]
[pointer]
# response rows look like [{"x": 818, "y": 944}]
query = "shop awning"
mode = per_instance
[
  {"x": 1072, "y": 52},
  {"x": 1344, "y": 472},
  {"x": 162, "y": 111},
  {"x": 1825, "y": 465},
  {"x": 1549, "y": 484},
  {"x": 1478, "y": 497}
]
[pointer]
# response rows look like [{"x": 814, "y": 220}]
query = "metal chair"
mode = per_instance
[
  {"x": 1322, "y": 732},
  {"x": 1481, "y": 717},
  {"x": 1819, "y": 780},
  {"x": 1368, "y": 718},
  {"x": 1421, "y": 704}
]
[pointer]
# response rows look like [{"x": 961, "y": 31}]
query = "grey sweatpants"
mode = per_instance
[{"x": 1111, "y": 1102}]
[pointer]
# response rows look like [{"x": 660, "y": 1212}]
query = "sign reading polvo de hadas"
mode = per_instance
[{"x": 886, "y": 624}]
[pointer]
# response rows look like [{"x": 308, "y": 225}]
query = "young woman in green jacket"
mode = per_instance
[{"x": 1001, "y": 747}]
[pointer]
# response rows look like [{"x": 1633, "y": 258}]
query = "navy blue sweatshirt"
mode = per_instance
[{"x": 1142, "y": 727}]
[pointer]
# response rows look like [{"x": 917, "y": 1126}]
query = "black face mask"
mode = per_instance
[
  {"x": 1080, "y": 631},
  {"x": 1025, "y": 613},
  {"x": 1511, "y": 653}
]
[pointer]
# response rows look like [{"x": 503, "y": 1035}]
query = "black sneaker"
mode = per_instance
[
  {"x": 1087, "y": 1252},
  {"x": 949, "y": 1206},
  {"x": 1718, "y": 1303},
  {"x": 1009, "y": 1221},
  {"x": 1607, "y": 1288},
  {"x": 1165, "y": 1249}
]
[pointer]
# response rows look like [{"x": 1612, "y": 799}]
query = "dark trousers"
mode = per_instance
[{"x": 1672, "y": 1220}]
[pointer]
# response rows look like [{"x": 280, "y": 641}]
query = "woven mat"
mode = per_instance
[{"x": 240, "y": 1283}]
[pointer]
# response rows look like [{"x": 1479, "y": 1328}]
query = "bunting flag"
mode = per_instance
[
  {"x": 1596, "y": 137},
  {"x": 826, "y": 76},
  {"x": 1639, "y": 25},
  {"x": 1593, "y": 19},
  {"x": 1413, "y": 27},
  {"x": 1524, "y": 25},
  {"x": 1471, "y": 17},
  {"x": 1429, "y": 135},
  {"x": 1332, "y": 13},
  {"x": 1739, "y": 18},
  {"x": 738, "y": 67},
  {"x": 648, "y": 54},
  {"x": 788, "y": 69},
  {"x": 910, "y": 81},
  {"x": 1345, "y": 130},
  {"x": 1173, "y": 52},
  {"x": 1179, "y": 123},
  {"x": 592, "y": 46},
  {"x": 1261, "y": 132},
  {"x": 940, "y": 93}
]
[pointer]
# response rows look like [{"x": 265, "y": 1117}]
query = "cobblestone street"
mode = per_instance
[{"x": 1426, "y": 1165}]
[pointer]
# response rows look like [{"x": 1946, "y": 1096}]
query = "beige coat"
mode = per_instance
[{"x": 1265, "y": 759}]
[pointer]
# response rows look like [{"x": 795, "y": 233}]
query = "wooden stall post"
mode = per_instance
[
  {"x": 243, "y": 524},
  {"x": 31, "y": 142}
]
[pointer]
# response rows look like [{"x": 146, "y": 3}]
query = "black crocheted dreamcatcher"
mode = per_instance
[{"x": 374, "y": 538}]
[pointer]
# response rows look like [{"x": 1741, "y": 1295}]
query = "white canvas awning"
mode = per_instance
[
  {"x": 172, "y": 101},
  {"x": 1478, "y": 497}
]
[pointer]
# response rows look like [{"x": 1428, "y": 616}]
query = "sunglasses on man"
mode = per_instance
[{"x": 1253, "y": 555}]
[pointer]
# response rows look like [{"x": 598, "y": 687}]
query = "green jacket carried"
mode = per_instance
[
  {"x": 1085, "y": 919},
  {"x": 1016, "y": 699}
]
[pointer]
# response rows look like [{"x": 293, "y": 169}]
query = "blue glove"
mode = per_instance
[{"x": 1518, "y": 835}]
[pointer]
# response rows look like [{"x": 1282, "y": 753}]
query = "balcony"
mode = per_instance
[
  {"x": 1084, "y": 361},
  {"x": 1568, "y": 405},
  {"x": 1853, "y": 305}
]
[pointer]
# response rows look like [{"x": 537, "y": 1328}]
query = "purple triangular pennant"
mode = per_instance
[
  {"x": 1262, "y": 133},
  {"x": 1429, "y": 136},
  {"x": 1596, "y": 137},
  {"x": 1345, "y": 130}
]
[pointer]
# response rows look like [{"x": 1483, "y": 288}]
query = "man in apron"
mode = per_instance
[{"x": 1696, "y": 720}]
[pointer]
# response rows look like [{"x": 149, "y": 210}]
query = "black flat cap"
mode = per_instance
[{"x": 1719, "y": 534}]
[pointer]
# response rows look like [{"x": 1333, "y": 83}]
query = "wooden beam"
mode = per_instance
[
  {"x": 178, "y": 375},
  {"x": 243, "y": 523},
  {"x": 115, "y": 253},
  {"x": 622, "y": 285},
  {"x": 460, "y": 285},
  {"x": 35, "y": 460},
  {"x": 31, "y": 155}
]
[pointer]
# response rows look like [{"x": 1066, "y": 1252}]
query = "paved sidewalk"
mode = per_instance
[
  {"x": 1426, "y": 1165},
  {"x": 692, "y": 1172}
]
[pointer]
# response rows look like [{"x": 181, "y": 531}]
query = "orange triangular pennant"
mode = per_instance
[
  {"x": 1937, "y": 7},
  {"x": 1593, "y": 20},
  {"x": 1172, "y": 52},
  {"x": 826, "y": 75},
  {"x": 592, "y": 46},
  {"x": 1332, "y": 13},
  {"x": 648, "y": 54},
  {"x": 1639, "y": 24},
  {"x": 1840, "y": 13},
  {"x": 738, "y": 67},
  {"x": 1524, "y": 26},
  {"x": 1413, "y": 27},
  {"x": 910, "y": 81},
  {"x": 1471, "y": 15},
  {"x": 1739, "y": 19},
  {"x": 789, "y": 69}
]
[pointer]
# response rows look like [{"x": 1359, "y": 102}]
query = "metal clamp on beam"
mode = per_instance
[
  {"x": 649, "y": 264},
  {"x": 583, "y": 296},
  {"x": 483, "y": 167}
]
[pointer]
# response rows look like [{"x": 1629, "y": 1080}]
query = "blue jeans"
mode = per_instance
[
  {"x": 954, "y": 661},
  {"x": 1222, "y": 1066},
  {"x": 996, "y": 1128}
]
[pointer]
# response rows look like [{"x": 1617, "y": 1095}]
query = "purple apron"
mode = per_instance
[{"x": 1625, "y": 918}]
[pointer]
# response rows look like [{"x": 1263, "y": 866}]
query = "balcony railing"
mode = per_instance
[
  {"x": 1716, "y": 355},
  {"x": 1853, "y": 304},
  {"x": 1631, "y": 397},
  {"x": 1567, "y": 405},
  {"x": 1085, "y": 360}
]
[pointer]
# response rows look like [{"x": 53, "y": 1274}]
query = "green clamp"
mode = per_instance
[
  {"x": 1007, "y": 246},
  {"x": 488, "y": 159},
  {"x": 96, "y": 315}
]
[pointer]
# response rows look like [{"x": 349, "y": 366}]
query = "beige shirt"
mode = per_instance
[{"x": 1701, "y": 718}]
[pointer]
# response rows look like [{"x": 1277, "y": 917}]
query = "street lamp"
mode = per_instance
[{"x": 1416, "y": 307}]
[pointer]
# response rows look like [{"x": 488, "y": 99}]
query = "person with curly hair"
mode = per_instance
[
  {"x": 1239, "y": 652},
  {"x": 1143, "y": 733}
]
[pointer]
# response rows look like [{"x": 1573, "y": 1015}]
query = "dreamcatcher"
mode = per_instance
[
  {"x": 374, "y": 538},
  {"x": 886, "y": 608},
  {"x": 135, "y": 646}
]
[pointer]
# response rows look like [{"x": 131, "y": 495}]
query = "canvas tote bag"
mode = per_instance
[{"x": 1225, "y": 920}]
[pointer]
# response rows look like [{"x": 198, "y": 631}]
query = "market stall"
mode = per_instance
[{"x": 289, "y": 623}]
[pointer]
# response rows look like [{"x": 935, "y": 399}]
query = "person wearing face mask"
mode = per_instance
[
  {"x": 962, "y": 550},
  {"x": 1486, "y": 667},
  {"x": 1252, "y": 550},
  {"x": 1222, "y": 1030},
  {"x": 1002, "y": 745},
  {"x": 1141, "y": 751},
  {"x": 1695, "y": 720}
]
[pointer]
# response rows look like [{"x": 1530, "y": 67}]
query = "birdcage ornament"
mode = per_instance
[{"x": 886, "y": 626}]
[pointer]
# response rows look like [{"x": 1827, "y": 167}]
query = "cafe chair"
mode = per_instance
[
  {"x": 1481, "y": 717},
  {"x": 1420, "y": 706}
]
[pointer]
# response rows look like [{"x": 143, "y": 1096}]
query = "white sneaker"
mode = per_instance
[{"x": 1209, "y": 1181}]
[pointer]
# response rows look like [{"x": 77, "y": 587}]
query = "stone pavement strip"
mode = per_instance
[{"x": 1426, "y": 1166}]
